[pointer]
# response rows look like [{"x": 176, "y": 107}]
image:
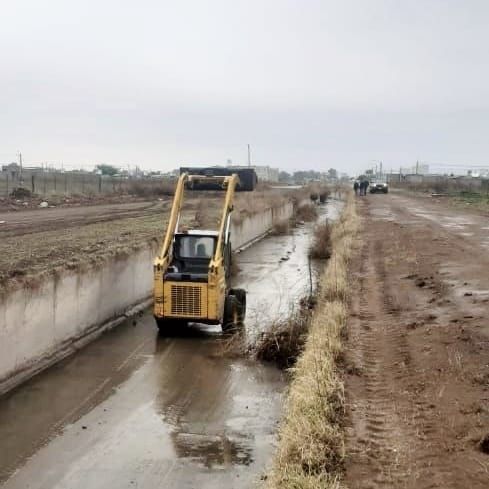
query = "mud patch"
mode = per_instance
[{"x": 420, "y": 344}]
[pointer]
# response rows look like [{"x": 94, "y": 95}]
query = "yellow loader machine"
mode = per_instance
[{"x": 193, "y": 268}]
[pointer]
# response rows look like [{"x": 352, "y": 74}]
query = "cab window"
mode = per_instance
[{"x": 195, "y": 247}]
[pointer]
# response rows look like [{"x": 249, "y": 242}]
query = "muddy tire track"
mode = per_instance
[
  {"x": 377, "y": 456},
  {"x": 404, "y": 397}
]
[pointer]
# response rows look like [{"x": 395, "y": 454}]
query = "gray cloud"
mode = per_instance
[{"x": 308, "y": 83}]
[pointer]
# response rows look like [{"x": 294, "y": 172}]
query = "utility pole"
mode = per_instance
[
  {"x": 249, "y": 155},
  {"x": 381, "y": 169},
  {"x": 20, "y": 162},
  {"x": 417, "y": 166}
]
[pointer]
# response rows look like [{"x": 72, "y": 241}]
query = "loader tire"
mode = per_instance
[
  {"x": 240, "y": 295},
  {"x": 230, "y": 320}
]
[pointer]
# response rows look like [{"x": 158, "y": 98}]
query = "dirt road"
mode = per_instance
[
  {"x": 133, "y": 409},
  {"x": 417, "y": 356},
  {"x": 41, "y": 220}
]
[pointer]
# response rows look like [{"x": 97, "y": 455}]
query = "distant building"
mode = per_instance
[{"x": 11, "y": 167}]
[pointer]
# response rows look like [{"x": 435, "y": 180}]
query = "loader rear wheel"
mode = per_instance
[
  {"x": 240, "y": 294},
  {"x": 230, "y": 319}
]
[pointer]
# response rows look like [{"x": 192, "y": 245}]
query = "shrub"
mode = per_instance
[
  {"x": 284, "y": 341},
  {"x": 321, "y": 241},
  {"x": 306, "y": 212},
  {"x": 324, "y": 195}
]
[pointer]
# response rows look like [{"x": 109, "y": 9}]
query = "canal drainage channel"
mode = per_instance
[{"x": 133, "y": 409}]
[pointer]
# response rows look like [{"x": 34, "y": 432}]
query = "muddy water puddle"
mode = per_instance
[
  {"x": 185, "y": 418},
  {"x": 133, "y": 409},
  {"x": 471, "y": 292},
  {"x": 276, "y": 273}
]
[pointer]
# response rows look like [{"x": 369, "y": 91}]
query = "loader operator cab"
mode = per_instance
[{"x": 192, "y": 252}]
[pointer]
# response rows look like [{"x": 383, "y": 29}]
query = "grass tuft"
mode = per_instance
[
  {"x": 306, "y": 213},
  {"x": 321, "y": 242},
  {"x": 283, "y": 342}
]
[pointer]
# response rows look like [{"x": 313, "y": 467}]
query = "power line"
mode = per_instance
[{"x": 451, "y": 165}]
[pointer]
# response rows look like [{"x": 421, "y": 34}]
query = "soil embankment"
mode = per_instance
[{"x": 417, "y": 375}]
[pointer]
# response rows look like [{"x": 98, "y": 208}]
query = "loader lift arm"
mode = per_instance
[{"x": 227, "y": 183}]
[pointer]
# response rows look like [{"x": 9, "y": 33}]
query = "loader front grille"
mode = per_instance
[{"x": 186, "y": 300}]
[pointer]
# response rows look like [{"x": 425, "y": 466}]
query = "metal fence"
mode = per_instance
[{"x": 440, "y": 183}]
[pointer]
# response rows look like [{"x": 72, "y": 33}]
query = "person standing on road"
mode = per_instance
[
  {"x": 355, "y": 187},
  {"x": 366, "y": 184},
  {"x": 363, "y": 187}
]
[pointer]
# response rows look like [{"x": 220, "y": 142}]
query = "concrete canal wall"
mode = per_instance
[{"x": 42, "y": 324}]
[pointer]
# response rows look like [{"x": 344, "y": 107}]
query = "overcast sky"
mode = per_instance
[{"x": 308, "y": 83}]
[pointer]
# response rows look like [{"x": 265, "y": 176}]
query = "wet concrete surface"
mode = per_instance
[{"x": 134, "y": 409}]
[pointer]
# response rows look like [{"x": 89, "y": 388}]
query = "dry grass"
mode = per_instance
[
  {"x": 283, "y": 342},
  {"x": 444, "y": 185},
  {"x": 321, "y": 242},
  {"x": 233, "y": 345},
  {"x": 151, "y": 188},
  {"x": 306, "y": 213},
  {"x": 311, "y": 446},
  {"x": 249, "y": 203}
]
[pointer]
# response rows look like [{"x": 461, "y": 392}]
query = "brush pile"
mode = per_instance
[{"x": 284, "y": 341}]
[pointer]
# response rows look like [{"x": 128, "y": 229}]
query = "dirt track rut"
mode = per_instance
[
  {"x": 32, "y": 221},
  {"x": 417, "y": 357}
]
